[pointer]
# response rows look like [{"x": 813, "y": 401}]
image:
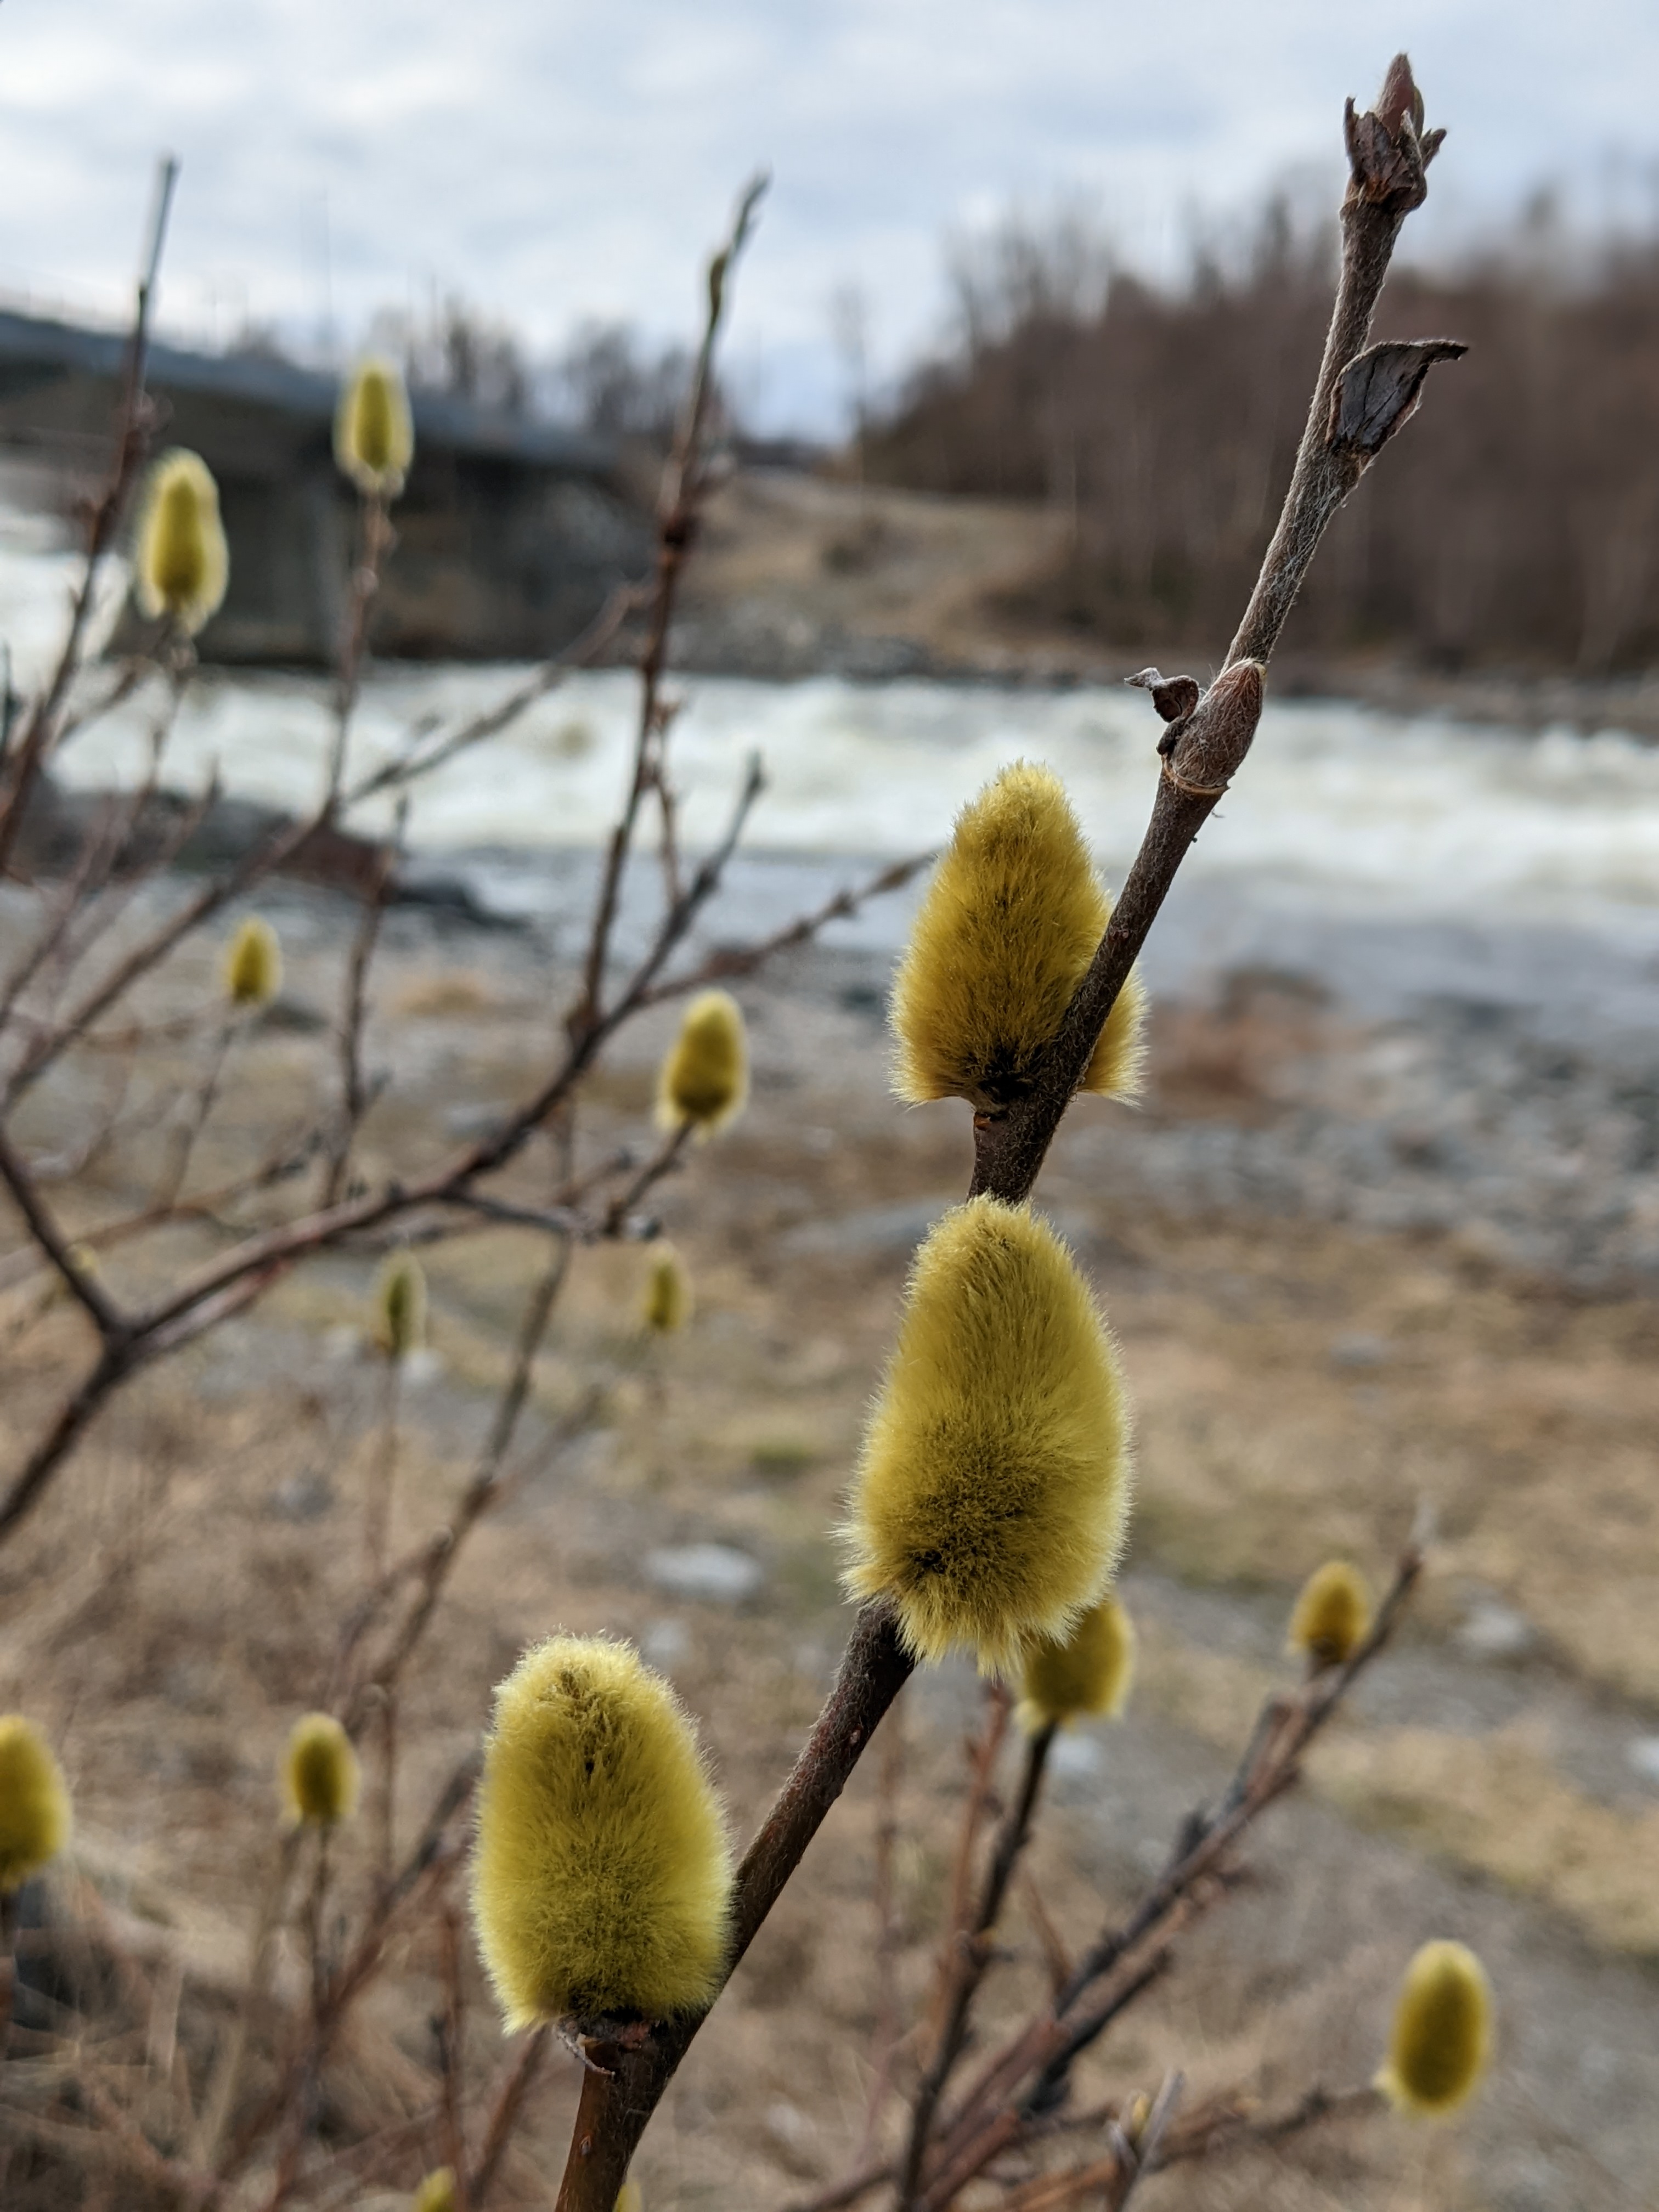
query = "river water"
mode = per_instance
[
  {"x": 1475, "y": 912},
  {"x": 1395, "y": 859}
]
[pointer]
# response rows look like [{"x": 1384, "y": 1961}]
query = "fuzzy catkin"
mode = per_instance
[
  {"x": 253, "y": 964},
  {"x": 436, "y": 2193},
  {"x": 602, "y": 1877},
  {"x": 319, "y": 1772},
  {"x": 1087, "y": 1674},
  {"x": 667, "y": 1302},
  {"x": 630, "y": 2197},
  {"x": 1332, "y": 1613},
  {"x": 1440, "y": 2045},
  {"x": 374, "y": 430},
  {"x": 705, "y": 1077},
  {"x": 34, "y": 1803},
  {"x": 182, "y": 564},
  {"x": 400, "y": 1306},
  {"x": 993, "y": 1491},
  {"x": 1010, "y": 924}
]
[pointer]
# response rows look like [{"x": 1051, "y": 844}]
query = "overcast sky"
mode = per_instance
[{"x": 551, "y": 160}]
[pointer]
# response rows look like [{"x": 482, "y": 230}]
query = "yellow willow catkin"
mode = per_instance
[
  {"x": 1088, "y": 1673},
  {"x": 374, "y": 430},
  {"x": 34, "y": 1803},
  {"x": 182, "y": 564},
  {"x": 400, "y": 1306},
  {"x": 602, "y": 1879},
  {"x": 436, "y": 2193},
  {"x": 319, "y": 1772},
  {"x": 667, "y": 1303},
  {"x": 1010, "y": 923},
  {"x": 630, "y": 2198},
  {"x": 993, "y": 1491},
  {"x": 1441, "y": 2047},
  {"x": 705, "y": 1077},
  {"x": 1331, "y": 1615},
  {"x": 253, "y": 964}
]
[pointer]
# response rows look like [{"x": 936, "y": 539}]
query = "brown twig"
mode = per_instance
[
  {"x": 131, "y": 444},
  {"x": 504, "y": 2116},
  {"x": 1204, "y": 747},
  {"x": 969, "y": 1955},
  {"x": 677, "y": 513},
  {"x": 884, "y": 1898},
  {"x": 354, "y": 1096},
  {"x": 453, "y": 2030},
  {"x": 1124, "y": 1960}
]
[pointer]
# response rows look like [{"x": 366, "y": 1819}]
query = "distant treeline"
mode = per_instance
[{"x": 1515, "y": 520}]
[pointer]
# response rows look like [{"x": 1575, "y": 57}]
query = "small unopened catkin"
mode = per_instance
[
  {"x": 705, "y": 1078},
  {"x": 1331, "y": 1615},
  {"x": 319, "y": 1772},
  {"x": 436, "y": 2193},
  {"x": 667, "y": 1303},
  {"x": 993, "y": 1491},
  {"x": 34, "y": 1803},
  {"x": 1087, "y": 1674},
  {"x": 374, "y": 430},
  {"x": 1009, "y": 924},
  {"x": 182, "y": 564},
  {"x": 253, "y": 964},
  {"x": 400, "y": 1306},
  {"x": 602, "y": 1879},
  {"x": 1441, "y": 2047}
]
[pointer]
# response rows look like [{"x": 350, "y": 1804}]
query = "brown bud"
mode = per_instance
[
  {"x": 1388, "y": 149},
  {"x": 1173, "y": 696},
  {"x": 1205, "y": 752},
  {"x": 1379, "y": 389}
]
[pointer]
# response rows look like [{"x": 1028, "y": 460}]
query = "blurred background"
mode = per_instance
[{"x": 1017, "y": 367}]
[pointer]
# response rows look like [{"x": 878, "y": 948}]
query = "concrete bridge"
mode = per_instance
[{"x": 511, "y": 532}]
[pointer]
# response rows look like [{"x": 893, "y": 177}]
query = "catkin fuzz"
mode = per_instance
[
  {"x": 602, "y": 1879},
  {"x": 319, "y": 1772},
  {"x": 182, "y": 564},
  {"x": 1441, "y": 2047},
  {"x": 1086, "y": 1674},
  {"x": 1010, "y": 923},
  {"x": 374, "y": 430},
  {"x": 34, "y": 1804},
  {"x": 400, "y": 1306},
  {"x": 436, "y": 2193},
  {"x": 705, "y": 1077},
  {"x": 253, "y": 964},
  {"x": 992, "y": 1491},
  {"x": 1332, "y": 1613},
  {"x": 666, "y": 1305}
]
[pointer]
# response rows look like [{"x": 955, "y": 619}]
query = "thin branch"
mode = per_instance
[
  {"x": 735, "y": 960},
  {"x": 132, "y": 431},
  {"x": 971, "y": 1955},
  {"x": 677, "y": 512},
  {"x": 355, "y": 1098},
  {"x": 504, "y": 2117},
  {"x": 1204, "y": 747},
  {"x": 84, "y": 1287}
]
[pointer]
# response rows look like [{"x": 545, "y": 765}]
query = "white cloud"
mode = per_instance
[{"x": 550, "y": 158}]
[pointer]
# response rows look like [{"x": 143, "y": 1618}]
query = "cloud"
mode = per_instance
[{"x": 550, "y": 159}]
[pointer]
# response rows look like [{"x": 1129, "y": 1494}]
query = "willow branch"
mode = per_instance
[{"x": 1206, "y": 745}]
